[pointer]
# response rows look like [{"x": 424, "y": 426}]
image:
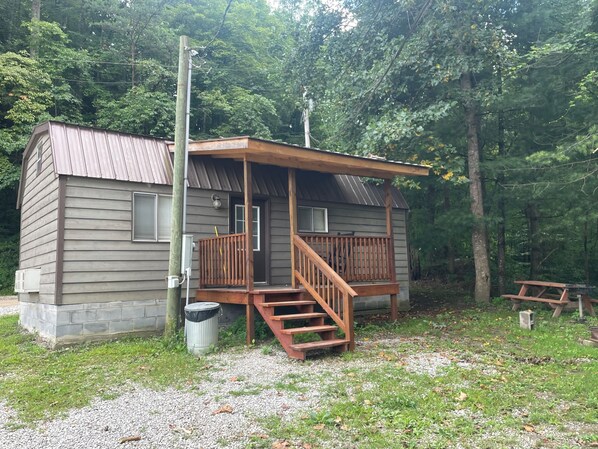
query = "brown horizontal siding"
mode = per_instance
[{"x": 39, "y": 221}]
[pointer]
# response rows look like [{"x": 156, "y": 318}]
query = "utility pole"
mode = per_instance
[
  {"x": 173, "y": 299},
  {"x": 307, "y": 106}
]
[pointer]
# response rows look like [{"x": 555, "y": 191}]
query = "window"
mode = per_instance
[
  {"x": 312, "y": 219},
  {"x": 240, "y": 224},
  {"x": 151, "y": 217},
  {"x": 39, "y": 157}
]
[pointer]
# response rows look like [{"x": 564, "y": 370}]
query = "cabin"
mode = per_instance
[{"x": 294, "y": 233}]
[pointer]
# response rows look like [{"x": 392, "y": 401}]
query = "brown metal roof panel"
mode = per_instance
[
  {"x": 62, "y": 160},
  {"x": 90, "y": 155},
  {"x": 143, "y": 160},
  {"x": 105, "y": 159},
  {"x": 130, "y": 157},
  {"x": 76, "y": 151},
  {"x": 114, "y": 146}
]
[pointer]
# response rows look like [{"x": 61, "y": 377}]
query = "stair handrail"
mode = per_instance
[{"x": 318, "y": 283}]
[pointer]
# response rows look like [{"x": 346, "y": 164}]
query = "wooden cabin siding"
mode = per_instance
[
  {"x": 39, "y": 221},
  {"x": 101, "y": 262}
]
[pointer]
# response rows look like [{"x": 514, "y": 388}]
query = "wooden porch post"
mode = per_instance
[
  {"x": 394, "y": 310},
  {"x": 292, "y": 219},
  {"x": 248, "y": 190}
]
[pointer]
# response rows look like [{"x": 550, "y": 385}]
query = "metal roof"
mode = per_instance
[{"x": 98, "y": 153}]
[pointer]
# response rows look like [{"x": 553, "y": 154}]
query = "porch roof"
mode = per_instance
[{"x": 294, "y": 156}]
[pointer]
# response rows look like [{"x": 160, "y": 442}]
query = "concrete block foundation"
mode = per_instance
[{"x": 64, "y": 325}]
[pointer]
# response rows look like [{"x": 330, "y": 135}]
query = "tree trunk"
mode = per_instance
[
  {"x": 501, "y": 231},
  {"x": 479, "y": 234},
  {"x": 36, "y": 9},
  {"x": 533, "y": 227},
  {"x": 449, "y": 248}
]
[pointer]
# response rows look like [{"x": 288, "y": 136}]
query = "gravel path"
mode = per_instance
[
  {"x": 222, "y": 412},
  {"x": 9, "y": 305}
]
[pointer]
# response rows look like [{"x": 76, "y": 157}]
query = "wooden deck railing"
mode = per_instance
[
  {"x": 324, "y": 284},
  {"x": 355, "y": 258},
  {"x": 222, "y": 261}
]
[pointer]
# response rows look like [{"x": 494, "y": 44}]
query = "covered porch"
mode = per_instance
[{"x": 328, "y": 272}]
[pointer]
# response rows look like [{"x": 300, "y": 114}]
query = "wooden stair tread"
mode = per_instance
[
  {"x": 318, "y": 344},
  {"x": 308, "y": 329},
  {"x": 298, "y": 316},
  {"x": 303, "y": 302},
  {"x": 276, "y": 291}
]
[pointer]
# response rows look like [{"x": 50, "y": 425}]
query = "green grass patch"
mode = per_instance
[
  {"x": 497, "y": 380},
  {"x": 40, "y": 383}
]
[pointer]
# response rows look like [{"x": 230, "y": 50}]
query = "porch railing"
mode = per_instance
[
  {"x": 355, "y": 258},
  {"x": 325, "y": 285},
  {"x": 222, "y": 261}
]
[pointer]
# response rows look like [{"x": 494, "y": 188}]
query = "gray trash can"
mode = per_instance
[{"x": 201, "y": 326}]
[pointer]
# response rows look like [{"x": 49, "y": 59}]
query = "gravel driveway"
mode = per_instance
[
  {"x": 9, "y": 305},
  {"x": 222, "y": 412}
]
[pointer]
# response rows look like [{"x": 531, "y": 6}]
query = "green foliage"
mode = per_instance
[
  {"x": 139, "y": 111},
  {"x": 39, "y": 383}
]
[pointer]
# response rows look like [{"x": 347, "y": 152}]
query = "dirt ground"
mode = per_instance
[{"x": 8, "y": 301}]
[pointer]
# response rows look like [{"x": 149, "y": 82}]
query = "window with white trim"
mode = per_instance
[
  {"x": 151, "y": 217},
  {"x": 312, "y": 219}
]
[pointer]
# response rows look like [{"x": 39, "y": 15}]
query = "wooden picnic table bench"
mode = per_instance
[{"x": 556, "y": 294}]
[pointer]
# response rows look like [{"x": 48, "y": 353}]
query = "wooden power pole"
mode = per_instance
[{"x": 173, "y": 299}]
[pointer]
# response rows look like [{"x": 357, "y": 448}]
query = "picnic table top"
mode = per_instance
[{"x": 556, "y": 285}]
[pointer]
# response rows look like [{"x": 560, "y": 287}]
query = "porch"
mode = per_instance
[{"x": 328, "y": 273}]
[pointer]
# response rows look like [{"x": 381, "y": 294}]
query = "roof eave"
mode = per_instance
[{"x": 293, "y": 156}]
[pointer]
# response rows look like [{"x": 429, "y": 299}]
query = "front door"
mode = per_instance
[{"x": 237, "y": 226}]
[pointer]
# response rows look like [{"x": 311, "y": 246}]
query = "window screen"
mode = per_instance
[{"x": 144, "y": 216}]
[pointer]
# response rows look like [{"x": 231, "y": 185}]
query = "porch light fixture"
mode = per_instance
[{"x": 216, "y": 202}]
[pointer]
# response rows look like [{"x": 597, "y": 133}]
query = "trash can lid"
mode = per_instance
[
  {"x": 201, "y": 311},
  {"x": 202, "y": 306}
]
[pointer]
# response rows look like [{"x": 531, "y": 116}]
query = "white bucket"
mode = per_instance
[{"x": 201, "y": 325}]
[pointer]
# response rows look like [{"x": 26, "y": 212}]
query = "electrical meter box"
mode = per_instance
[{"x": 187, "y": 252}]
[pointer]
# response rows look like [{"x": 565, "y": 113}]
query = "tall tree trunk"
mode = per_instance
[
  {"x": 501, "y": 231},
  {"x": 449, "y": 248},
  {"x": 479, "y": 234},
  {"x": 533, "y": 227},
  {"x": 36, "y": 9}
]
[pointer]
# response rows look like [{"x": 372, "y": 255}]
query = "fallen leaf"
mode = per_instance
[
  {"x": 262, "y": 436},
  {"x": 529, "y": 428},
  {"x": 306, "y": 446},
  {"x": 462, "y": 396},
  {"x": 280, "y": 444},
  {"x": 319, "y": 426},
  {"x": 338, "y": 420},
  {"x": 437, "y": 390},
  {"x": 234, "y": 379},
  {"x": 127, "y": 439},
  {"x": 223, "y": 409},
  {"x": 345, "y": 427}
]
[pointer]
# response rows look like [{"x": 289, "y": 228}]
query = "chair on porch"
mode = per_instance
[{"x": 338, "y": 259}]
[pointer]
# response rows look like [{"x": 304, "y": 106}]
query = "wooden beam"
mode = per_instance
[
  {"x": 248, "y": 189},
  {"x": 394, "y": 307},
  {"x": 292, "y": 219},
  {"x": 291, "y": 156}
]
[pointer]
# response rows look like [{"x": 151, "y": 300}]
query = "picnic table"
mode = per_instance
[{"x": 555, "y": 294}]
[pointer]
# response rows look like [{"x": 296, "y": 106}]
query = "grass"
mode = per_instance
[
  {"x": 501, "y": 386},
  {"x": 496, "y": 386},
  {"x": 38, "y": 383}
]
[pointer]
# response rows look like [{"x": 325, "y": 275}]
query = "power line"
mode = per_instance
[{"x": 211, "y": 41}]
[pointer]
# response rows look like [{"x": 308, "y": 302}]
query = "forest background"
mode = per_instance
[{"x": 499, "y": 97}]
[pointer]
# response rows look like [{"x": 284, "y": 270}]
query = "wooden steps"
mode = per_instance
[
  {"x": 298, "y": 316},
  {"x": 289, "y": 303},
  {"x": 288, "y": 314},
  {"x": 309, "y": 329},
  {"x": 322, "y": 344}
]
